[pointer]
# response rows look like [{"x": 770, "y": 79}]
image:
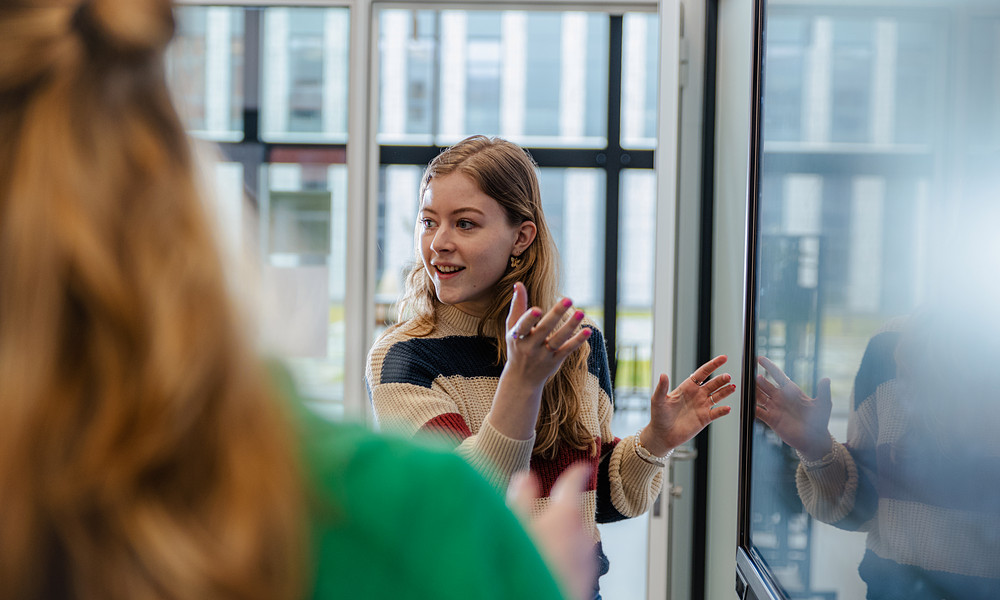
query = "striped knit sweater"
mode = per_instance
[
  {"x": 932, "y": 521},
  {"x": 444, "y": 384}
]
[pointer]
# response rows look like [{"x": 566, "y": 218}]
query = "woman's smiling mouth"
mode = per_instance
[{"x": 448, "y": 269}]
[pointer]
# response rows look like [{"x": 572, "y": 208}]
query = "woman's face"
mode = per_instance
[{"x": 466, "y": 241}]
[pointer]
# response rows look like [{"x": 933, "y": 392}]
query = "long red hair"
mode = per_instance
[{"x": 142, "y": 454}]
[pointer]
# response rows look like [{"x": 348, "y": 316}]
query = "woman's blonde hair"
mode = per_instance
[
  {"x": 142, "y": 453},
  {"x": 506, "y": 172}
]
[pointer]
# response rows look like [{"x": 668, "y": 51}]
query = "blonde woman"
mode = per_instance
[
  {"x": 143, "y": 452},
  {"x": 476, "y": 360}
]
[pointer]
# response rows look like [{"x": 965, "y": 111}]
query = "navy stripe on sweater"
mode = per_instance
[
  {"x": 606, "y": 511},
  {"x": 419, "y": 361},
  {"x": 890, "y": 580},
  {"x": 597, "y": 362},
  {"x": 866, "y": 499},
  {"x": 877, "y": 366}
]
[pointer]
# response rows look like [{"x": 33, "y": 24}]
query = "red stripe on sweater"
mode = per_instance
[
  {"x": 450, "y": 426},
  {"x": 547, "y": 471}
]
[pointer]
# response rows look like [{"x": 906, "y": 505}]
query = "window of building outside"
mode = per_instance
[
  {"x": 268, "y": 86},
  {"x": 544, "y": 80}
]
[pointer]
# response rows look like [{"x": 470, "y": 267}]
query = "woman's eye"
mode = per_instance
[
  {"x": 427, "y": 223},
  {"x": 464, "y": 224}
]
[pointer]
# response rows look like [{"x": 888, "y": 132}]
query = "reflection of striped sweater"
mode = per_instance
[
  {"x": 933, "y": 521},
  {"x": 445, "y": 383}
]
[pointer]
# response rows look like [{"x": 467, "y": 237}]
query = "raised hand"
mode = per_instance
[
  {"x": 538, "y": 345},
  {"x": 679, "y": 415},
  {"x": 558, "y": 531},
  {"x": 800, "y": 421}
]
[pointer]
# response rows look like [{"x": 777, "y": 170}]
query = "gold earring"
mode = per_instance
[{"x": 515, "y": 261}]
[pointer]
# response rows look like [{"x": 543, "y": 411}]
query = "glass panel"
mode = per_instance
[
  {"x": 573, "y": 201},
  {"x": 397, "y": 217},
  {"x": 303, "y": 242},
  {"x": 304, "y": 93},
  {"x": 205, "y": 70},
  {"x": 877, "y": 218},
  {"x": 535, "y": 78},
  {"x": 640, "y": 50},
  {"x": 636, "y": 237}
]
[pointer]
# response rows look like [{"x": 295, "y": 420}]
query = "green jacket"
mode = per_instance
[{"x": 392, "y": 519}]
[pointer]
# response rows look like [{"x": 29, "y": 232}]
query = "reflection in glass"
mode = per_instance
[
  {"x": 205, "y": 69},
  {"x": 536, "y": 78},
  {"x": 876, "y": 303},
  {"x": 304, "y": 92}
]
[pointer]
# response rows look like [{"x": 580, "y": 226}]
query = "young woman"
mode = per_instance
[
  {"x": 515, "y": 387},
  {"x": 143, "y": 451}
]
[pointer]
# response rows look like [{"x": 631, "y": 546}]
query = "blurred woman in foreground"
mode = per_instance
[{"x": 144, "y": 452}]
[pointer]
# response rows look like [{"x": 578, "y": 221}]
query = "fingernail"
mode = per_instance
[
  {"x": 535, "y": 312},
  {"x": 578, "y": 315},
  {"x": 567, "y": 302},
  {"x": 586, "y": 333}
]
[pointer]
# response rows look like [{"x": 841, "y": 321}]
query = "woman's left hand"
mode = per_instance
[{"x": 679, "y": 415}]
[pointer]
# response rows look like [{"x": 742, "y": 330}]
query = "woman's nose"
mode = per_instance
[{"x": 442, "y": 240}]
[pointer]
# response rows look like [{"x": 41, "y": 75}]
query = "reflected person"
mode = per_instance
[{"x": 920, "y": 469}]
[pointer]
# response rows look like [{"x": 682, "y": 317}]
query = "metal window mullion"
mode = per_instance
[{"x": 613, "y": 164}]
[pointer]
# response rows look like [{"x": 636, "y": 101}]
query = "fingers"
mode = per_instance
[
  {"x": 548, "y": 324},
  {"x": 774, "y": 371},
  {"x": 718, "y": 411},
  {"x": 722, "y": 393},
  {"x": 560, "y": 535},
  {"x": 525, "y": 325},
  {"x": 518, "y": 304},
  {"x": 702, "y": 373},
  {"x": 763, "y": 415},
  {"x": 823, "y": 393},
  {"x": 570, "y": 485},
  {"x": 560, "y": 336},
  {"x": 521, "y": 493},
  {"x": 719, "y": 387},
  {"x": 662, "y": 388},
  {"x": 571, "y": 344},
  {"x": 765, "y": 386},
  {"x": 564, "y": 332}
]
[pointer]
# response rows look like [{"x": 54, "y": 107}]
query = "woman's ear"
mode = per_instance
[{"x": 526, "y": 233}]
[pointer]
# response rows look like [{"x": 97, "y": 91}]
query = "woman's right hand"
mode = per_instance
[
  {"x": 800, "y": 421},
  {"x": 537, "y": 344}
]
